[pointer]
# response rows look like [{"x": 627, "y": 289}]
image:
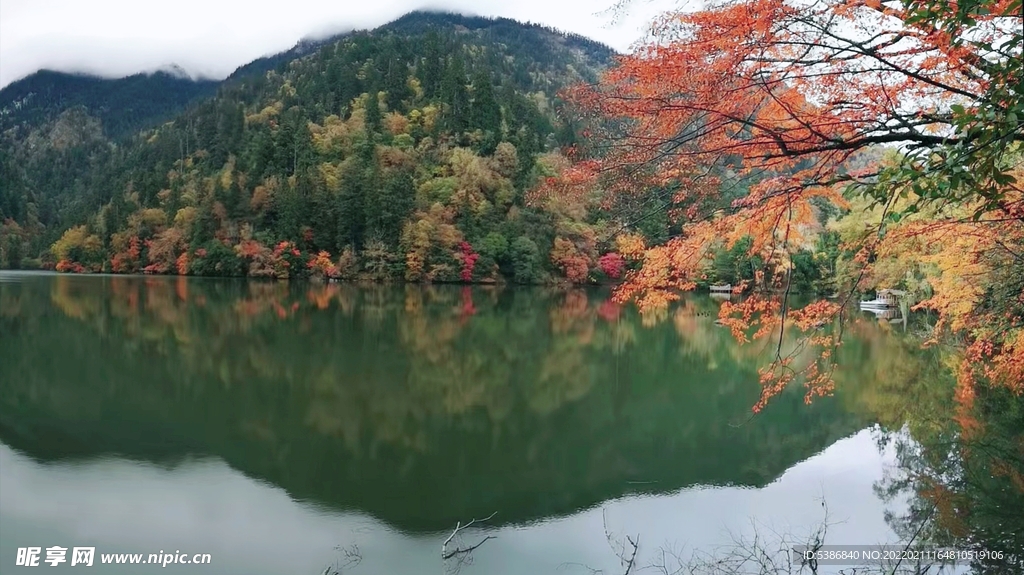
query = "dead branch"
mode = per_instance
[{"x": 462, "y": 555}]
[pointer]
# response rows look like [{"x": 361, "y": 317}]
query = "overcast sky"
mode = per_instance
[{"x": 213, "y": 37}]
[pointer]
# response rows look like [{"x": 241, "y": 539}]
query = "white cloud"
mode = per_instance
[{"x": 116, "y": 38}]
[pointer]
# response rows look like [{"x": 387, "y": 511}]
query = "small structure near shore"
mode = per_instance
[
  {"x": 721, "y": 288},
  {"x": 886, "y": 298}
]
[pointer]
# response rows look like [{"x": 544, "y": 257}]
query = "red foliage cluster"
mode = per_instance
[
  {"x": 566, "y": 256},
  {"x": 127, "y": 262},
  {"x": 467, "y": 309},
  {"x": 609, "y": 310},
  {"x": 70, "y": 267},
  {"x": 612, "y": 264},
  {"x": 468, "y": 258}
]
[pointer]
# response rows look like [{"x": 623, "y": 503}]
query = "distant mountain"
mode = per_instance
[
  {"x": 408, "y": 150},
  {"x": 140, "y": 101},
  {"x": 123, "y": 106}
]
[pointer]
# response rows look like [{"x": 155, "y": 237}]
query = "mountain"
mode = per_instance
[
  {"x": 407, "y": 152},
  {"x": 121, "y": 105}
]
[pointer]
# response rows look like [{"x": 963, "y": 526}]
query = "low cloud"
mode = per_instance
[{"x": 115, "y": 38}]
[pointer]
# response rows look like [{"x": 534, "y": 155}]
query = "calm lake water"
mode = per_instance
[{"x": 280, "y": 427}]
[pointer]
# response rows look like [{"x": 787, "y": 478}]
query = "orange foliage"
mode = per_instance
[
  {"x": 396, "y": 123},
  {"x": 181, "y": 264},
  {"x": 70, "y": 267},
  {"x": 783, "y": 94},
  {"x": 322, "y": 267},
  {"x": 973, "y": 261},
  {"x": 321, "y": 296},
  {"x": 264, "y": 262}
]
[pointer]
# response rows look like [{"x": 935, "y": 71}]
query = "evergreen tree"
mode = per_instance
[
  {"x": 359, "y": 176},
  {"x": 431, "y": 70},
  {"x": 455, "y": 95},
  {"x": 396, "y": 79},
  {"x": 387, "y": 206},
  {"x": 373, "y": 113},
  {"x": 485, "y": 113},
  {"x": 349, "y": 84}
]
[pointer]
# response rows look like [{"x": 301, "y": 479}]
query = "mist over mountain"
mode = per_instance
[{"x": 143, "y": 99}]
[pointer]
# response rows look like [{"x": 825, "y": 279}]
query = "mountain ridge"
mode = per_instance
[{"x": 186, "y": 87}]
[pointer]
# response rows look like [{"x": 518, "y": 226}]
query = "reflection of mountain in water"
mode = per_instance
[{"x": 421, "y": 406}]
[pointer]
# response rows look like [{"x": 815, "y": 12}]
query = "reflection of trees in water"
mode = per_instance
[
  {"x": 966, "y": 489},
  {"x": 544, "y": 401},
  {"x": 455, "y": 363},
  {"x": 958, "y": 477},
  {"x": 952, "y": 484},
  {"x": 508, "y": 369}
]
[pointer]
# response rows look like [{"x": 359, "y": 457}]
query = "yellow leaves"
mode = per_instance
[
  {"x": 331, "y": 138},
  {"x": 330, "y": 173},
  {"x": 416, "y": 87},
  {"x": 421, "y": 235},
  {"x": 967, "y": 264},
  {"x": 956, "y": 253},
  {"x": 631, "y": 246},
  {"x": 184, "y": 217},
  {"x": 227, "y": 173},
  {"x": 77, "y": 245},
  {"x": 287, "y": 90},
  {"x": 266, "y": 115},
  {"x": 1007, "y": 367},
  {"x": 263, "y": 196},
  {"x": 426, "y": 117}
]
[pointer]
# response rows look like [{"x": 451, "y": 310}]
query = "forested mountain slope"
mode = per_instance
[
  {"x": 123, "y": 106},
  {"x": 406, "y": 152}
]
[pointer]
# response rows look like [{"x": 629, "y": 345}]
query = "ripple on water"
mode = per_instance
[{"x": 17, "y": 276}]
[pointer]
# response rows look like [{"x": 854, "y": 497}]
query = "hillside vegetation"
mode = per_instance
[{"x": 401, "y": 153}]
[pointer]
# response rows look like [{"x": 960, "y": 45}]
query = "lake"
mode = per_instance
[{"x": 297, "y": 428}]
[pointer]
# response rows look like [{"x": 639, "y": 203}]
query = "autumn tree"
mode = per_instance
[
  {"x": 78, "y": 251},
  {"x": 749, "y": 113}
]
